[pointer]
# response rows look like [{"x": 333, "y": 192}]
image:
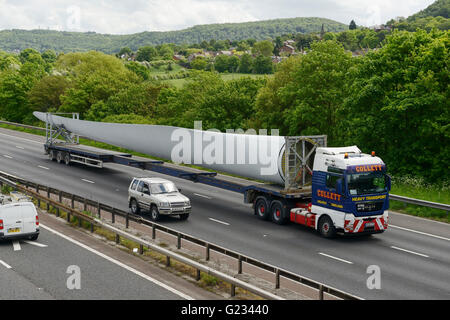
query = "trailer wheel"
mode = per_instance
[
  {"x": 326, "y": 227},
  {"x": 261, "y": 208},
  {"x": 67, "y": 159},
  {"x": 278, "y": 212},
  {"x": 51, "y": 155},
  {"x": 59, "y": 157},
  {"x": 134, "y": 207},
  {"x": 154, "y": 213}
]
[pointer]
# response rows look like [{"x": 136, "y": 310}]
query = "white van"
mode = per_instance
[{"x": 19, "y": 220}]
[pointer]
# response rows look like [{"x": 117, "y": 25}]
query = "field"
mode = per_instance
[{"x": 178, "y": 83}]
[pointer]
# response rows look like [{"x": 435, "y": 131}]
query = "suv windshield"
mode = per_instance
[
  {"x": 165, "y": 187},
  {"x": 365, "y": 183}
]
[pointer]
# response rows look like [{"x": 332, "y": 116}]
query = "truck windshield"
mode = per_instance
[
  {"x": 365, "y": 183},
  {"x": 165, "y": 187}
]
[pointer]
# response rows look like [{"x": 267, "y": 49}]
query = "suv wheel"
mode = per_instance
[
  {"x": 154, "y": 213},
  {"x": 184, "y": 216},
  {"x": 134, "y": 207}
]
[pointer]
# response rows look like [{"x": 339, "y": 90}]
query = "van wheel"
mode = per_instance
[
  {"x": 261, "y": 209},
  {"x": 134, "y": 207},
  {"x": 278, "y": 212},
  {"x": 34, "y": 237},
  {"x": 184, "y": 216},
  {"x": 326, "y": 227},
  {"x": 154, "y": 213}
]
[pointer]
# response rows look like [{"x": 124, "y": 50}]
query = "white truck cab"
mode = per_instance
[
  {"x": 159, "y": 196},
  {"x": 350, "y": 193},
  {"x": 19, "y": 220}
]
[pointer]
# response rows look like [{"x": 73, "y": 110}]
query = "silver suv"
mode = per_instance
[{"x": 159, "y": 196}]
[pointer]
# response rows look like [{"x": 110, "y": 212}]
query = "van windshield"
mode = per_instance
[
  {"x": 366, "y": 183},
  {"x": 165, "y": 187}
]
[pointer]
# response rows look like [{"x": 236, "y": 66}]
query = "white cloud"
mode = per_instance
[{"x": 131, "y": 16}]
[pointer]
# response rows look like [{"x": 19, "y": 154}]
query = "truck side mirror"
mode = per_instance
[
  {"x": 339, "y": 186},
  {"x": 179, "y": 190},
  {"x": 388, "y": 182}
]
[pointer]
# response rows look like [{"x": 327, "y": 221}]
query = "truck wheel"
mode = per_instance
[
  {"x": 59, "y": 157},
  {"x": 184, "y": 216},
  {"x": 51, "y": 155},
  {"x": 326, "y": 227},
  {"x": 67, "y": 159},
  {"x": 261, "y": 208},
  {"x": 154, "y": 213},
  {"x": 134, "y": 207},
  {"x": 278, "y": 212}
]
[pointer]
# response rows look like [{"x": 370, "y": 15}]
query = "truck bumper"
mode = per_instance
[{"x": 365, "y": 225}]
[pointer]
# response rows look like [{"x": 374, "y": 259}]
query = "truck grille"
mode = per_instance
[
  {"x": 177, "y": 204},
  {"x": 369, "y": 206}
]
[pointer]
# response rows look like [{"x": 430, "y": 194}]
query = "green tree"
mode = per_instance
[
  {"x": 264, "y": 48},
  {"x": 221, "y": 63},
  {"x": 138, "y": 69},
  {"x": 399, "y": 104},
  {"x": 306, "y": 93},
  {"x": 263, "y": 65},
  {"x": 199, "y": 63},
  {"x": 45, "y": 95},
  {"x": 352, "y": 25},
  {"x": 147, "y": 53},
  {"x": 246, "y": 63}
]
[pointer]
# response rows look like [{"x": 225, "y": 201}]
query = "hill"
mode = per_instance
[
  {"x": 439, "y": 8},
  {"x": 41, "y": 40}
]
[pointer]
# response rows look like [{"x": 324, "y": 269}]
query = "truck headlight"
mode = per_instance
[
  {"x": 187, "y": 203},
  {"x": 164, "y": 204}
]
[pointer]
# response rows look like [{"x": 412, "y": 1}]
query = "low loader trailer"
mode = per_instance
[{"x": 333, "y": 190}]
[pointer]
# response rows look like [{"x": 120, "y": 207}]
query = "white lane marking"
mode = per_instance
[
  {"x": 339, "y": 259},
  {"x": 409, "y": 251},
  {"x": 42, "y": 167},
  {"x": 203, "y": 196},
  {"x": 88, "y": 181},
  {"x": 8, "y": 135},
  {"x": 37, "y": 244},
  {"x": 16, "y": 246},
  {"x": 6, "y": 156},
  {"x": 420, "y": 232},
  {"x": 5, "y": 264},
  {"x": 218, "y": 221},
  {"x": 19, "y": 147},
  {"x": 159, "y": 283}
]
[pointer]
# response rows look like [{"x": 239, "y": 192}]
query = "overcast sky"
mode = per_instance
[{"x": 131, "y": 16}]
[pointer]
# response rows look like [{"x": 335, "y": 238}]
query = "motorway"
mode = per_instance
[
  {"x": 42, "y": 270},
  {"x": 413, "y": 254}
]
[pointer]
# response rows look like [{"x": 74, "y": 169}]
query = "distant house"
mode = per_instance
[
  {"x": 381, "y": 27},
  {"x": 276, "y": 59},
  {"x": 177, "y": 57},
  {"x": 195, "y": 55},
  {"x": 287, "y": 49},
  {"x": 289, "y": 42},
  {"x": 226, "y": 52}
]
